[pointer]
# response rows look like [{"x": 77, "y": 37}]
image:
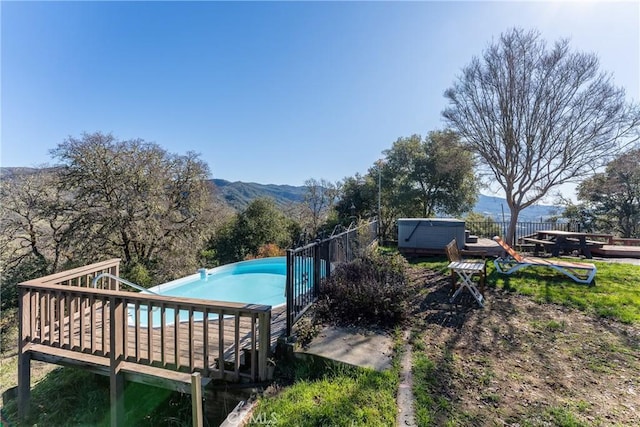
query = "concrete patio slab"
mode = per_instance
[{"x": 352, "y": 346}]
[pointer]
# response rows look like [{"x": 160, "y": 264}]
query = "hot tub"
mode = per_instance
[{"x": 429, "y": 235}]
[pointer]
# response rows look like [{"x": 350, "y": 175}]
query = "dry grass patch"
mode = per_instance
[{"x": 519, "y": 362}]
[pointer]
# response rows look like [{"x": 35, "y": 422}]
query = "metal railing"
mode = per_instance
[
  {"x": 308, "y": 265},
  {"x": 94, "y": 282},
  {"x": 488, "y": 229}
]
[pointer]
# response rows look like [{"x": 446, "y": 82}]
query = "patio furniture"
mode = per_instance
[
  {"x": 456, "y": 255},
  {"x": 466, "y": 270},
  {"x": 580, "y": 272},
  {"x": 556, "y": 241}
]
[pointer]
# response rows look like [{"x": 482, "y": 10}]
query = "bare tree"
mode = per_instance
[
  {"x": 539, "y": 117},
  {"x": 319, "y": 198},
  {"x": 35, "y": 222},
  {"x": 36, "y": 229},
  {"x": 136, "y": 201}
]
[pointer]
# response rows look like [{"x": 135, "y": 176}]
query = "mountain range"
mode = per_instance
[{"x": 239, "y": 194}]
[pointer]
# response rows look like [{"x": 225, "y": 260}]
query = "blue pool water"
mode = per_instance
[{"x": 259, "y": 281}]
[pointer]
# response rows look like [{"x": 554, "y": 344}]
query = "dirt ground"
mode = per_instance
[{"x": 516, "y": 362}]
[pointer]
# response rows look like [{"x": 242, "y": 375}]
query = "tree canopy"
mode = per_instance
[
  {"x": 106, "y": 198},
  {"x": 136, "y": 201},
  {"x": 260, "y": 224},
  {"x": 538, "y": 116},
  {"x": 430, "y": 176},
  {"x": 614, "y": 195}
]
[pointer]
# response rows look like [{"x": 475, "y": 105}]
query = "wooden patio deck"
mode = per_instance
[
  {"x": 617, "y": 251},
  {"x": 156, "y": 347},
  {"x": 65, "y": 320}
]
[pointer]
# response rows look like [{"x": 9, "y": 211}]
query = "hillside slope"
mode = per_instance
[{"x": 239, "y": 194}]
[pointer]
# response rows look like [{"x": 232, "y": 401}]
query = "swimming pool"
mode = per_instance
[{"x": 259, "y": 281}]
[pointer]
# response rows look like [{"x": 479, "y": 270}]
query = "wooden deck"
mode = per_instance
[
  {"x": 172, "y": 342},
  {"x": 617, "y": 251},
  {"x": 159, "y": 347}
]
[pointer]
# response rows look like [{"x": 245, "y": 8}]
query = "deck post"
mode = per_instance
[
  {"x": 24, "y": 385},
  {"x": 196, "y": 400},
  {"x": 264, "y": 346},
  {"x": 288, "y": 293},
  {"x": 24, "y": 358},
  {"x": 116, "y": 352},
  {"x": 316, "y": 269}
]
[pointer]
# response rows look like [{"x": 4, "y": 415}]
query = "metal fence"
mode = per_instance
[
  {"x": 308, "y": 265},
  {"x": 488, "y": 229}
]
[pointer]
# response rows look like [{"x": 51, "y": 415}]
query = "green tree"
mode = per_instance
[
  {"x": 261, "y": 223},
  {"x": 614, "y": 195},
  {"x": 580, "y": 213},
  {"x": 482, "y": 225},
  {"x": 430, "y": 176},
  {"x": 417, "y": 177},
  {"x": 538, "y": 117},
  {"x": 357, "y": 199}
]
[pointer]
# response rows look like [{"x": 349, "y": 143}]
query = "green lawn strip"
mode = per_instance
[
  {"x": 614, "y": 294},
  {"x": 557, "y": 416},
  {"x": 433, "y": 407},
  {"x": 68, "y": 396},
  {"x": 436, "y": 263},
  {"x": 341, "y": 396}
]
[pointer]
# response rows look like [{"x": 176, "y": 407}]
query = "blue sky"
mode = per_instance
[{"x": 269, "y": 92}]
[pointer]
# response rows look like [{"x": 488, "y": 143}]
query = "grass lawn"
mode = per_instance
[
  {"x": 332, "y": 395},
  {"x": 614, "y": 294},
  {"x": 517, "y": 361},
  {"x": 544, "y": 351}
]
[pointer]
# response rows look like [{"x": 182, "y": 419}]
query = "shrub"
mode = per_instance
[
  {"x": 371, "y": 291},
  {"x": 266, "y": 251},
  {"x": 138, "y": 274}
]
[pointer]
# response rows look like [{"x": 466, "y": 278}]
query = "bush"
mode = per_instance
[
  {"x": 31, "y": 268},
  {"x": 266, "y": 251},
  {"x": 372, "y": 291},
  {"x": 138, "y": 274},
  {"x": 482, "y": 225}
]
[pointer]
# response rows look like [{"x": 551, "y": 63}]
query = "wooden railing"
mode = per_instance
[
  {"x": 62, "y": 318},
  {"x": 187, "y": 335},
  {"x": 83, "y": 276},
  {"x": 622, "y": 241}
]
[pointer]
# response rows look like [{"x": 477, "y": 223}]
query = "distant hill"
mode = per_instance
[
  {"x": 493, "y": 207},
  {"x": 8, "y": 173},
  {"x": 239, "y": 194}
]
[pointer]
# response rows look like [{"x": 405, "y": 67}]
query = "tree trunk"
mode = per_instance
[{"x": 513, "y": 222}]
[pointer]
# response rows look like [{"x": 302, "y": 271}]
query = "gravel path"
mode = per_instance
[{"x": 405, "y": 401}]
